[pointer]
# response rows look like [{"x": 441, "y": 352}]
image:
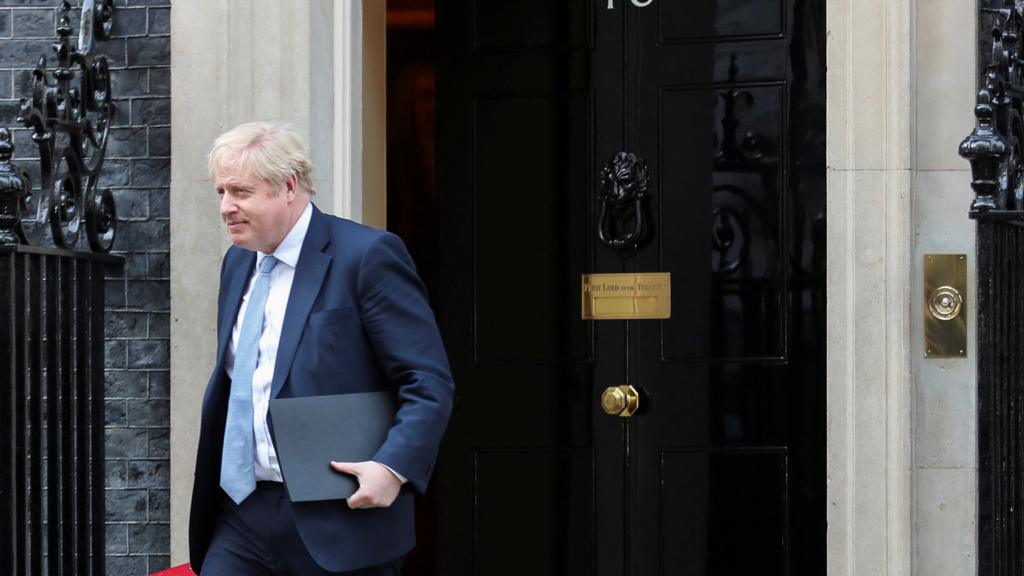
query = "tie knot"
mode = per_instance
[{"x": 267, "y": 264}]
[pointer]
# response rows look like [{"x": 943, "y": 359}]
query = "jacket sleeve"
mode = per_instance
[{"x": 402, "y": 331}]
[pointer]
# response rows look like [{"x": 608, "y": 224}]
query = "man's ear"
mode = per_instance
[{"x": 291, "y": 186}]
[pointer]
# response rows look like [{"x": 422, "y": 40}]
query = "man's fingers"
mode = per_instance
[
  {"x": 364, "y": 498},
  {"x": 346, "y": 468},
  {"x": 357, "y": 500},
  {"x": 378, "y": 486},
  {"x": 361, "y": 499}
]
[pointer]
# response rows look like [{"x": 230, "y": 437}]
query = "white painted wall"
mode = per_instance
[
  {"x": 902, "y": 440},
  {"x": 234, "y": 61},
  {"x": 869, "y": 129},
  {"x": 901, "y": 429},
  {"x": 945, "y": 440}
]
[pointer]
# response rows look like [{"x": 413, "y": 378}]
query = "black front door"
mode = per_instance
[{"x": 722, "y": 469}]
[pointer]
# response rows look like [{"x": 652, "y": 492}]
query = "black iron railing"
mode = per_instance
[
  {"x": 51, "y": 411},
  {"x": 51, "y": 314},
  {"x": 995, "y": 151}
]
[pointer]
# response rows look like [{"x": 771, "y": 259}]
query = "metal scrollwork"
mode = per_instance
[
  {"x": 69, "y": 112},
  {"x": 623, "y": 222},
  {"x": 994, "y": 147}
]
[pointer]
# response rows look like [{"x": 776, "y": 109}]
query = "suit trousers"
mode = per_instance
[{"x": 259, "y": 538}]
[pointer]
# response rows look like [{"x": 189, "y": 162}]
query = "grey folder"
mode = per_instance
[{"x": 313, "y": 430}]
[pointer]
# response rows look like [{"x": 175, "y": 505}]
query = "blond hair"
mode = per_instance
[{"x": 270, "y": 151}]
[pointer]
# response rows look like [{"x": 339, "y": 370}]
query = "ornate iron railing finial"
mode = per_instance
[
  {"x": 994, "y": 147},
  {"x": 986, "y": 150},
  {"x": 12, "y": 188}
]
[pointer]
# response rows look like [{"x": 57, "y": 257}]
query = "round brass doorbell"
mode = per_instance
[
  {"x": 622, "y": 401},
  {"x": 944, "y": 302}
]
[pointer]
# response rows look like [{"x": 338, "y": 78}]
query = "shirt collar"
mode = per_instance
[{"x": 289, "y": 248}]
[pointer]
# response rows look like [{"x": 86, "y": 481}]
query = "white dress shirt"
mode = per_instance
[
  {"x": 287, "y": 252},
  {"x": 281, "y": 277}
]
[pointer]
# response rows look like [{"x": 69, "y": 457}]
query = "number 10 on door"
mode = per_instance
[{"x": 637, "y": 3}]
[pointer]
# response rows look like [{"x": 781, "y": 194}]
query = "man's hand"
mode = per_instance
[{"x": 378, "y": 487}]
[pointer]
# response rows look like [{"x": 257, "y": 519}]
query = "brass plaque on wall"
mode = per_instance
[
  {"x": 641, "y": 296},
  {"x": 945, "y": 306}
]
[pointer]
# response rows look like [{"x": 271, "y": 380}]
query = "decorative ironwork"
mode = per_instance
[
  {"x": 69, "y": 113},
  {"x": 623, "y": 223},
  {"x": 96, "y": 19},
  {"x": 12, "y": 188},
  {"x": 994, "y": 149}
]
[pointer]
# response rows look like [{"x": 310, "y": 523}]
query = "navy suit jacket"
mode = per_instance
[{"x": 357, "y": 320}]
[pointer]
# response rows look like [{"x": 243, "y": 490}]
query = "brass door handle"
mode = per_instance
[{"x": 622, "y": 401}]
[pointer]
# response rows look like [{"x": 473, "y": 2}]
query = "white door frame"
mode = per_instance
[
  {"x": 267, "y": 60},
  {"x": 221, "y": 76}
]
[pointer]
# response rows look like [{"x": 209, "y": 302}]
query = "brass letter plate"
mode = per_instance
[
  {"x": 643, "y": 296},
  {"x": 945, "y": 305}
]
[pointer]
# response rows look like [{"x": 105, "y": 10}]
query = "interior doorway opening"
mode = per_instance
[
  {"x": 412, "y": 201},
  {"x": 412, "y": 130}
]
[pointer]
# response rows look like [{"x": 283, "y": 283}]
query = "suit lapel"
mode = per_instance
[
  {"x": 237, "y": 278},
  {"x": 310, "y": 272}
]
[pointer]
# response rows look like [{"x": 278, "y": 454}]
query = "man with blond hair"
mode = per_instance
[{"x": 309, "y": 305}]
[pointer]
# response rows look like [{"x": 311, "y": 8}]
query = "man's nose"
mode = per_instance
[{"x": 227, "y": 205}]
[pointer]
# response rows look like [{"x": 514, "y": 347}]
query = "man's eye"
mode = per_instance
[{"x": 220, "y": 191}]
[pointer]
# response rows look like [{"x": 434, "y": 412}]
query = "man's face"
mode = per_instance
[{"x": 258, "y": 214}]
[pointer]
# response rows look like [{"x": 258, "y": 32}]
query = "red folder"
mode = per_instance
[{"x": 182, "y": 570}]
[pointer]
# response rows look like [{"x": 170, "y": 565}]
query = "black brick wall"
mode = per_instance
[{"x": 138, "y": 302}]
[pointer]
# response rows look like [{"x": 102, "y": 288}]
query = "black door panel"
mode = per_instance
[{"x": 722, "y": 470}]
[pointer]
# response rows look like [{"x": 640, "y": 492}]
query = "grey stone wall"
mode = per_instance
[{"x": 138, "y": 172}]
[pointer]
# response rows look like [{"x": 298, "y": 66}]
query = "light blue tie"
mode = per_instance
[{"x": 236, "y": 465}]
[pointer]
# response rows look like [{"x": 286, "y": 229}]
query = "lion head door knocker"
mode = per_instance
[{"x": 623, "y": 223}]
